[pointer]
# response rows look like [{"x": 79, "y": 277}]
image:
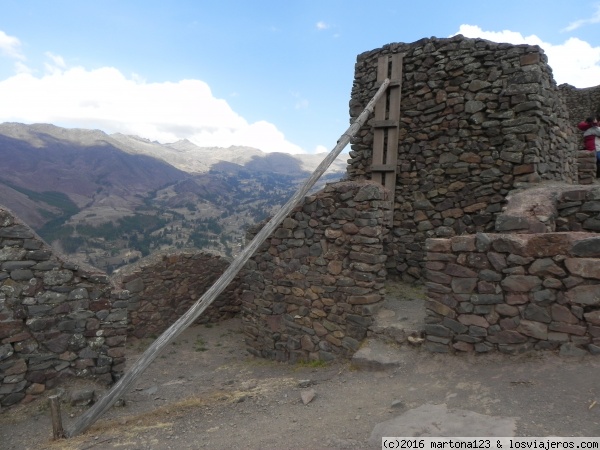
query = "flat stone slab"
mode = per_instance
[
  {"x": 438, "y": 421},
  {"x": 401, "y": 315},
  {"x": 377, "y": 355}
]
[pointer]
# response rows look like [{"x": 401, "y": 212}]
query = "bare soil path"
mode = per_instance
[{"x": 206, "y": 392}]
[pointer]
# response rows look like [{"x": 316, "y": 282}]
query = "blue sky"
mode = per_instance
[{"x": 275, "y": 75}]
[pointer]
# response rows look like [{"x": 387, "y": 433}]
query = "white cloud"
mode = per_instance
[
  {"x": 106, "y": 99},
  {"x": 594, "y": 18},
  {"x": 10, "y": 46},
  {"x": 574, "y": 62},
  {"x": 322, "y": 26},
  {"x": 57, "y": 63},
  {"x": 21, "y": 67}
]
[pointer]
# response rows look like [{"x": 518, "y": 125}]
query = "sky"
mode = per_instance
[{"x": 274, "y": 75}]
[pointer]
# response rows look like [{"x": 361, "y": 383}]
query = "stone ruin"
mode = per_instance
[
  {"x": 61, "y": 319},
  {"x": 494, "y": 209},
  {"x": 480, "y": 125},
  {"x": 478, "y": 120}
]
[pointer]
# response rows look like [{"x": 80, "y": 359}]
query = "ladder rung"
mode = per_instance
[
  {"x": 384, "y": 123},
  {"x": 383, "y": 168},
  {"x": 392, "y": 83}
]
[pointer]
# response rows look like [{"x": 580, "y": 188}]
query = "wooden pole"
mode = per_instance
[
  {"x": 57, "y": 428},
  {"x": 125, "y": 382}
]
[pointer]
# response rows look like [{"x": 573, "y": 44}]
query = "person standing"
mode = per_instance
[{"x": 591, "y": 139}]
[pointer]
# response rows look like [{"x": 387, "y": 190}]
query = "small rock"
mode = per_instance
[
  {"x": 82, "y": 397},
  {"x": 305, "y": 383},
  {"x": 36, "y": 389},
  {"x": 397, "y": 404},
  {"x": 151, "y": 390},
  {"x": 570, "y": 349},
  {"x": 415, "y": 340},
  {"x": 308, "y": 396}
]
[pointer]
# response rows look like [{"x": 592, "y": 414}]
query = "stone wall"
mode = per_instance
[
  {"x": 312, "y": 288},
  {"x": 478, "y": 119},
  {"x": 164, "y": 286},
  {"x": 586, "y": 165},
  {"x": 581, "y": 103},
  {"x": 57, "y": 318},
  {"x": 551, "y": 207},
  {"x": 514, "y": 292},
  {"x": 579, "y": 209}
]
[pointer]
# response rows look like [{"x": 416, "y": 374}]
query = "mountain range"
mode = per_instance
[{"x": 108, "y": 199}]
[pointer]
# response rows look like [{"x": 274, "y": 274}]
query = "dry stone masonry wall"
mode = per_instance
[
  {"x": 586, "y": 165},
  {"x": 312, "y": 288},
  {"x": 57, "y": 319},
  {"x": 582, "y": 102},
  {"x": 478, "y": 119},
  {"x": 514, "y": 293},
  {"x": 163, "y": 287},
  {"x": 579, "y": 210}
]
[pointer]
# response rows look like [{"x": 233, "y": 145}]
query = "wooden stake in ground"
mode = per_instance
[
  {"x": 125, "y": 382},
  {"x": 57, "y": 428}
]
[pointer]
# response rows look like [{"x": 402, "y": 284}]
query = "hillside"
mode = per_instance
[{"x": 111, "y": 199}]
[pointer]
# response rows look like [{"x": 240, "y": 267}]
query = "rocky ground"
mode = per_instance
[{"x": 204, "y": 391}]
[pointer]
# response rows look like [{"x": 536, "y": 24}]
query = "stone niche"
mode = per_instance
[{"x": 478, "y": 119}]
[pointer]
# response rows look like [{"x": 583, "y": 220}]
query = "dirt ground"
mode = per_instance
[{"x": 204, "y": 391}]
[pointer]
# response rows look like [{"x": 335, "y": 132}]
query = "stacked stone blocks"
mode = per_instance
[
  {"x": 163, "y": 287},
  {"x": 514, "y": 293},
  {"x": 478, "y": 119},
  {"x": 586, "y": 164},
  {"x": 582, "y": 102},
  {"x": 57, "y": 319},
  {"x": 311, "y": 290},
  {"x": 579, "y": 210}
]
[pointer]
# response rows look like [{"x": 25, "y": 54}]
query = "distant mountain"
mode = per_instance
[
  {"x": 182, "y": 154},
  {"x": 109, "y": 199},
  {"x": 85, "y": 166}
]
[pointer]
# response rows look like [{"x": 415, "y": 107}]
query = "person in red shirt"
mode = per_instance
[
  {"x": 591, "y": 132},
  {"x": 591, "y": 139}
]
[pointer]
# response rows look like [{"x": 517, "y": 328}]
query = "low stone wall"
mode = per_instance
[
  {"x": 513, "y": 293},
  {"x": 311, "y": 290},
  {"x": 164, "y": 286},
  {"x": 57, "y": 318},
  {"x": 579, "y": 210}
]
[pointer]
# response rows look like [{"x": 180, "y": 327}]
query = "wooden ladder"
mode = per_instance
[{"x": 385, "y": 125}]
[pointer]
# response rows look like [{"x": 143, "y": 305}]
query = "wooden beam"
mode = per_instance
[{"x": 122, "y": 386}]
